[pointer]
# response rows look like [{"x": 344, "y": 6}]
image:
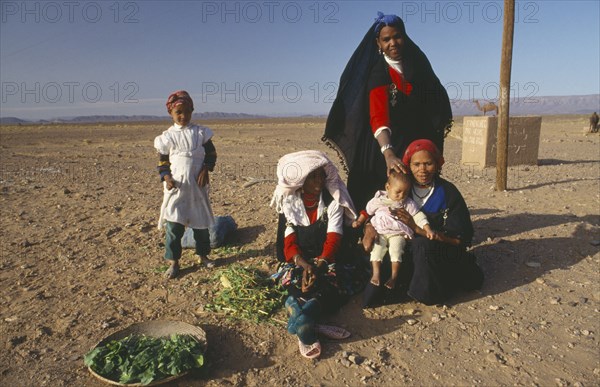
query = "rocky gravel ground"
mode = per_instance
[{"x": 81, "y": 258}]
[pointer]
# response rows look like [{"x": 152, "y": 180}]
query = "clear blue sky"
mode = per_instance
[{"x": 61, "y": 59}]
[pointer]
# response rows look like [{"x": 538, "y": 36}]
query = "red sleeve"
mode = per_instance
[
  {"x": 331, "y": 246},
  {"x": 290, "y": 247},
  {"x": 379, "y": 108},
  {"x": 379, "y": 100}
]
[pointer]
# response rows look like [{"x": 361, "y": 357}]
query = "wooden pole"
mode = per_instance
[{"x": 505, "y": 69}]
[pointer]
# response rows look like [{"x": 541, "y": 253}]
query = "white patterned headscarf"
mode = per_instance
[{"x": 292, "y": 170}]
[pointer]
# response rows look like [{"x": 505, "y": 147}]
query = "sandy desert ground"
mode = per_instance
[{"x": 81, "y": 258}]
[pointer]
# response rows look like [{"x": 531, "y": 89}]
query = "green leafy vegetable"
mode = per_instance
[
  {"x": 247, "y": 294},
  {"x": 144, "y": 359}
]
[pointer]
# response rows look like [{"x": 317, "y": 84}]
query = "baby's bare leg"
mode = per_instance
[
  {"x": 369, "y": 238},
  {"x": 391, "y": 283},
  {"x": 377, "y": 254},
  {"x": 397, "y": 243},
  {"x": 375, "y": 278}
]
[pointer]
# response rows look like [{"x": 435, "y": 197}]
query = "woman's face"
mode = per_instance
[
  {"x": 315, "y": 181},
  {"x": 391, "y": 42},
  {"x": 423, "y": 167}
]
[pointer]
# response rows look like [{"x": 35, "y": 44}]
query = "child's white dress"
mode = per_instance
[{"x": 187, "y": 203}]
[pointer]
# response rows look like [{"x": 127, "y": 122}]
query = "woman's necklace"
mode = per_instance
[{"x": 424, "y": 192}]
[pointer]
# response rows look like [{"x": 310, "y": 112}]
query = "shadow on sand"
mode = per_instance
[
  {"x": 510, "y": 264},
  {"x": 225, "y": 350}
]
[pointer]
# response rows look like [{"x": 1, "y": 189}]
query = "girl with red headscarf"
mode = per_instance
[{"x": 186, "y": 155}]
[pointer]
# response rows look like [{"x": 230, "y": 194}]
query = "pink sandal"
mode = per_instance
[
  {"x": 332, "y": 332},
  {"x": 310, "y": 351}
]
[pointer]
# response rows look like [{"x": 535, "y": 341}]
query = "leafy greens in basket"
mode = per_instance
[{"x": 144, "y": 359}]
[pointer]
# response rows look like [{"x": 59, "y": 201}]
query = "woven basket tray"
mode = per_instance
[{"x": 154, "y": 329}]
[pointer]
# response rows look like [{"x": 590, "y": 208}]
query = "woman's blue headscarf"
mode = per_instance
[{"x": 388, "y": 21}]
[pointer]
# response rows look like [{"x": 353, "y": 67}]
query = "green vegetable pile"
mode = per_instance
[
  {"x": 144, "y": 359},
  {"x": 247, "y": 294}
]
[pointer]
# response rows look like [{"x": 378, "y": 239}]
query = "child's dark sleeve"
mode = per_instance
[
  {"x": 164, "y": 166},
  {"x": 210, "y": 155}
]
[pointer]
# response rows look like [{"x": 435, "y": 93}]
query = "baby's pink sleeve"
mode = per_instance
[{"x": 372, "y": 206}]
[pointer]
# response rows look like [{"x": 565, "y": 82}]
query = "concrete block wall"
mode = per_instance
[{"x": 479, "y": 138}]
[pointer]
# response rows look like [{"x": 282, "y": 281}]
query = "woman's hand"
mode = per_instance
[
  {"x": 394, "y": 163},
  {"x": 402, "y": 215},
  {"x": 369, "y": 237},
  {"x": 322, "y": 265},
  {"x": 299, "y": 261},
  {"x": 446, "y": 239},
  {"x": 308, "y": 278},
  {"x": 309, "y": 274}
]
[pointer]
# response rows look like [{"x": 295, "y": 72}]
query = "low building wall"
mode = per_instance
[{"x": 479, "y": 140}]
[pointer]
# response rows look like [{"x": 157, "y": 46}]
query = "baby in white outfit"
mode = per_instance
[{"x": 392, "y": 232}]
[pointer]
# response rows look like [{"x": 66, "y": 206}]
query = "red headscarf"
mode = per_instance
[
  {"x": 426, "y": 145},
  {"x": 179, "y": 97}
]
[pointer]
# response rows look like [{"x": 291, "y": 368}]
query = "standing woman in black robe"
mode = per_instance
[{"x": 388, "y": 97}]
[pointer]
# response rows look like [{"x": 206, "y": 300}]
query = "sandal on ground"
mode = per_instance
[
  {"x": 332, "y": 332},
  {"x": 310, "y": 351},
  {"x": 172, "y": 271}
]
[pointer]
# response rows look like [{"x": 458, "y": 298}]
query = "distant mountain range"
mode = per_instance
[
  {"x": 576, "y": 104},
  {"x": 122, "y": 118}
]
